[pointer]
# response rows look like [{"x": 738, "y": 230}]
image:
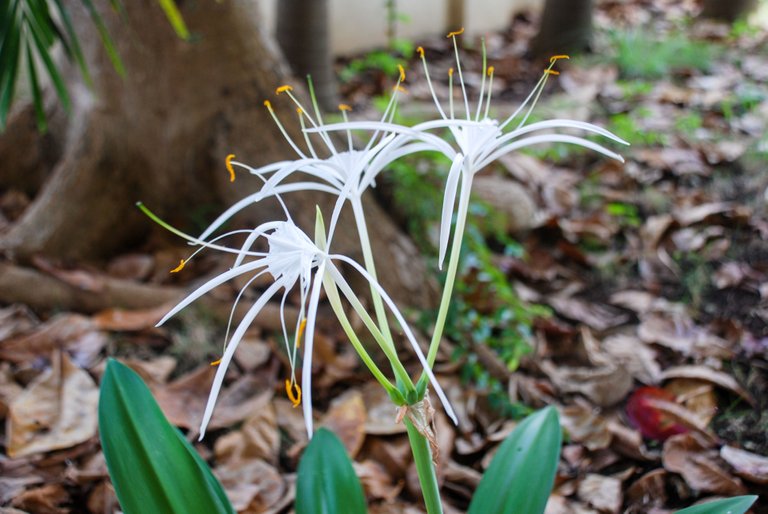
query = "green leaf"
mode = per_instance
[
  {"x": 522, "y": 472},
  {"x": 175, "y": 18},
  {"x": 326, "y": 481},
  {"x": 37, "y": 96},
  {"x": 109, "y": 45},
  {"x": 735, "y": 505},
  {"x": 152, "y": 466}
]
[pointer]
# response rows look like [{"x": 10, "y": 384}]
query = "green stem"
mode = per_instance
[
  {"x": 450, "y": 279},
  {"x": 422, "y": 456}
]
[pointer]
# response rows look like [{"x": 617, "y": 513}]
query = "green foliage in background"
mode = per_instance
[
  {"x": 640, "y": 54},
  {"x": 29, "y": 32}
]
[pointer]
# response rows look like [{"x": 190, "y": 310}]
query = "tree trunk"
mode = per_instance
[
  {"x": 565, "y": 27},
  {"x": 303, "y": 35},
  {"x": 729, "y": 11},
  {"x": 161, "y": 134}
]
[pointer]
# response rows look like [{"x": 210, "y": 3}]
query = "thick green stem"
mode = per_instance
[{"x": 422, "y": 456}]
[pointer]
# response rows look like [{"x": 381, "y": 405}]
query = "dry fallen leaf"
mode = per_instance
[
  {"x": 710, "y": 375},
  {"x": 258, "y": 438},
  {"x": 252, "y": 486},
  {"x": 43, "y": 500},
  {"x": 747, "y": 465},
  {"x": 346, "y": 418},
  {"x": 601, "y": 492},
  {"x": 694, "y": 460},
  {"x": 58, "y": 410}
]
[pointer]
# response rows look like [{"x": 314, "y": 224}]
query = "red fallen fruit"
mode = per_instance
[{"x": 649, "y": 420}]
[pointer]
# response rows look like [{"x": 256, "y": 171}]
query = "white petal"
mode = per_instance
[
  {"x": 309, "y": 335},
  {"x": 230, "y": 351},
  {"x": 449, "y": 200}
]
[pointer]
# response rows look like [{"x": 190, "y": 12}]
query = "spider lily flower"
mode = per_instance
[{"x": 293, "y": 260}]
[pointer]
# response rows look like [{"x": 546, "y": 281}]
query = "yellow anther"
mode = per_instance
[
  {"x": 402, "y": 72},
  {"x": 450, "y": 72},
  {"x": 179, "y": 267},
  {"x": 490, "y": 70},
  {"x": 302, "y": 326},
  {"x": 228, "y": 162},
  {"x": 268, "y": 104},
  {"x": 295, "y": 397},
  {"x": 455, "y": 33},
  {"x": 299, "y": 111},
  {"x": 401, "y": 89},
  {"x": 551, "y": 72},
  {"x": 344, "y": 107},
  {"x": 283, "y": 89},
  {"x": 421, "y": 51},
  {"x": 558, "y": 57},
  {"x": 216, "y": 362}
]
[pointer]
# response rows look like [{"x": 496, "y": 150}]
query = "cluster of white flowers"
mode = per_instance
[{"x": 294, "y": 258}]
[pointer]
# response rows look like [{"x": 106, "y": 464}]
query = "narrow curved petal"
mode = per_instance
[
  {"x": 309, "y": 339},
  {"x": 230, "y": 351},
  {"x": 449, "y": 201}
]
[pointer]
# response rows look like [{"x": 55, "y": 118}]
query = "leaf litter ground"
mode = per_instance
[{"x": 655, "y": 272}]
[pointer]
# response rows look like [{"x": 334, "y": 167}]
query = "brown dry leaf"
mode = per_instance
[
  {"x": 693, "y": 459},
  {"x": 155, "y": 371},
  {"x": 710, "y": 375},
  {"x": 257, "y": 439},
  {"x": 653, "y": 230},
  {"x": 252, "y": 353},
  {"x": 14, "y": 320},
  {"x": 689, "y": 215},
  {"x": 747, "y": 465},
  {"x": 135, "y": 266},
  {"x": 605, "y": 384},
  {"x": 697, "y": 396},
  {"x": 382, "y": 413},
  {"x": 394, "y": 453},
  {"x": 9, "y": 389},
  {"x": 680, "y": 161},
  {"x": 635, "y": 356},
  {"x": 584, "y": 425},
  {"x": 124, "y": 320},
  {"x": 346, "y": 418},
  {"x": 43, "y": 500},
  {"x": 183, "y": 400},
  {"x": 239, "y": 400},
  {"x": 601, "y": 492},
  {"x": 291, "y": 421},
  {"x": 103, "y": 499},
  {"x": 599, "y": 317},
  {"x": 62, "y": 331},
  {"x": 252, "y": 486},
  {"x": 11, "y": 487},
  {"x": 682, "y": 335},
  {"x": 78, "y": 278},
  {"x": 58, "y": 410},
  {"x": 377, "y": 483},
  {"x": 648, "y": 491}
]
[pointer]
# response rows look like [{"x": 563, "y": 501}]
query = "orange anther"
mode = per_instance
[
  {"x": 344, "y": 107},
  {"x": 490, "y": 70},
  {"x": 228, "y": 162},
  {"x": 400, "y": 89},
  {"x": 421, "y": 51},
  {"x": 558, "y": 57},
  {"x": 450, "y": 72},
  {"x": 302, "y": 326},
  {"x": 179, "y": 267},
  {"x": 299, "y": 111},
  {"x": 551, "y": 72},
  {"x": 268, "y": 104},
  {"x": 295, "y": 397},
  {"x": 402, "y": 72},
  {"x": 455, "y": 33},
  {"x": 283, "y": 89},
  {"x": 216, "y": 362}
]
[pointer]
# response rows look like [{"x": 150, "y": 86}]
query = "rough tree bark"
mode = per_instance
[
  {"x": 566, "y": 26},
  {"x": 160, "y": 136},
  {"x": 302, "y": 33},
  {"x": 729, "y": 11}
]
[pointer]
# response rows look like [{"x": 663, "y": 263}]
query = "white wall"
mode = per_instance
[{"x": 360, "y": 25}]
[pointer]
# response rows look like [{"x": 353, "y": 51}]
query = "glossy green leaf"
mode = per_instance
[
  {"x": 152, "y": 466},
  {"x": 106, "y": 40},
  {"x": 326, "y": 481},
  {"x": 522, "y": 472},
  {"x": 735, "y": 505}
]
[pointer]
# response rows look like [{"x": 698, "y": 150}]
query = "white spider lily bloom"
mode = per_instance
[{"x": 292, "y": 260}]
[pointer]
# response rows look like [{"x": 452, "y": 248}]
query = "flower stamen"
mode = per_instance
[
  {"x": 300, "y": 333},
  {"x": 216, "y": 362},
  {"x": 293, "y": 390},
  {"x": 179, "y": 267},
  {"x": 402, "y": 72},
  {"x": 455, "y": 33},
  {"x": 230, "y": 169},
  {"x": 283, "y": 89},
  {"x": 555, "y": 58}
]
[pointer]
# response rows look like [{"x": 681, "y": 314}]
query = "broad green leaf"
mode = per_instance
[
  {"x": 522, "y": 472},
  {"x": 152, "y": 466},
  {"x": 326, "y": 481},
  {"x": 175, "y": 18},
  {"x": 735, "y": 505}
]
